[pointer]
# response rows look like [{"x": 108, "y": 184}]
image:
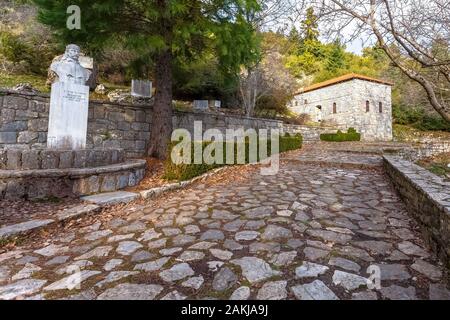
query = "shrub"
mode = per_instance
[
  {"x": 340, "y": 136},
  {"x": 418, "y": 118},
  {"x": 182, "y": 172}
]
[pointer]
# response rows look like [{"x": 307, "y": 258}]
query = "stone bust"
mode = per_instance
[{"x": 69, "y": 69}]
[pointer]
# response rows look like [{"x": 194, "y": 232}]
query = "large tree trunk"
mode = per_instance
[{"x": 161, "y": 128}]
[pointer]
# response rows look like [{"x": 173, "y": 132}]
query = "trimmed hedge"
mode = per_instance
[
  {"x": 182, "y": 172},
  {"x": 340, "y": 136}
]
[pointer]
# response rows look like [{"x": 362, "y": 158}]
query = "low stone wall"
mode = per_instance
[
  {"x": 16, "y": 159},
  {"x": 427, "y": 198},
  {"x": 424, "y": 150},
  {"x": 24, "y": 123}
]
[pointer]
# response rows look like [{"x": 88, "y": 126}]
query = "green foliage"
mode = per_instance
[
  {"x": 146, "y": 27},
  {"x": 204, "y": 79},
  {"x": 418, "y": 118},
  {"x": 10, "y": 80},
  {"x": 310, "y": 26},
  {"x": 182, "y": 172},
  {"x": 307, "y": 56},
  {"x": 340, "y": 136},
  {"x": 13, "y": 49},
  {"x": 22, "y": 53}
]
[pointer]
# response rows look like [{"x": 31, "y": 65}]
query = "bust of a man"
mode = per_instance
[{"x": 69, "y": 69}]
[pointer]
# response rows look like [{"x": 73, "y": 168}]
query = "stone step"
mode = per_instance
[
  {"x": 15, "y": 229},
  {"x": 110, "y": 198},
  {"x": 33, "y": 225}
]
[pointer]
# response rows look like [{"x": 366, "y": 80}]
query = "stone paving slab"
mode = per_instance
[{"x": 308, "y": 232}]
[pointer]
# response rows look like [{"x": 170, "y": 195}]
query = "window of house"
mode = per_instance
[
  {"x": 367, "y": 106},
  {"x": 334, "y": 107},
  {"x": 306, "y": 101},
  {"x": 380, "y": 107},
  {"x": 296, "y": 103}
]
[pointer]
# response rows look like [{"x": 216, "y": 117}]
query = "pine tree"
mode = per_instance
[
  {"x": 310, "y": 26},
  {"x": 336, "y": 59},
  {"x": 163, "y": 30}
]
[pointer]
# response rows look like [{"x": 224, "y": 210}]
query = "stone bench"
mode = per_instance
[{"x": 42, "y": 183}]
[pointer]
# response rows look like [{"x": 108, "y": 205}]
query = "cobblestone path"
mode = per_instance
[{"x": 309, "y": 232}]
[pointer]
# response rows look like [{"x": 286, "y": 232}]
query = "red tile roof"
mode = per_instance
[{"x": 344, "y": 78}]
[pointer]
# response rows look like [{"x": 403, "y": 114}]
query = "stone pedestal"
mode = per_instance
[{"x": 67, "y": 127}]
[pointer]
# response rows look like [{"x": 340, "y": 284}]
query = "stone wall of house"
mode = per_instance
[
  {"x": 350, "y": 98},
  {"x": 24, "y": 123},
  {"x": 427, "y": 198}
]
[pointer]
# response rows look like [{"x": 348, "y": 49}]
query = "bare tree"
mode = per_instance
[
  {"x": 414, "y": 34},
  {"x": 270, "y": 78},
  {"x": 274, "y": 14}
]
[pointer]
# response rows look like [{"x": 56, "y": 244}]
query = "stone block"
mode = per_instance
[
  {"x": 122, "y": 181},
  {"x": 140, "y": 145},
  {"x": 14, "y": 159},
  {"x": 116, "y": 116},
  {"x": 127, "y": 135},
  {"x": 39, "y": 106},
  {"x": 15, "y": 189},
  {"x": 30, "y": 159},
  {"x": 3, "y": 186},
  {"x": 127, "y": 144},
  {"x": 140, "y": 116},
  {"x": 86, "y": 186},
  {"x": 14, "y": 126},
  {"x": 3, "y": 159},
  {"x": 25, "y": 114},
  {"x": 114, "y": 156},
  {"x": 140, "y": 126},
  {"x": 49, "y": 159},
  {"x": 80, "y": 158},
  {"x": 99, "y": 158},
  {"x": 130, "y": 115},
  {"x": 111, "y": 144},
  {"x": 143, "y": 135},
  {"x": 66, "y": 159},
  {"x": 13, "y": 102},
  {"x": 108, "y": 183},
  {"x": 122, "y": 125},
  {"x": 132, "y": 181},
  {"x": 38, "y": 124},
  {"x": 27, "y": 137},
  {"x": 8, "y": 137},
  {"x": 42, "y": 137},
  {"x": 140, "y": 174},
  {"x": 7, "y": 115},
  {"x": 99, "y": 112},
  {"x": 23, "y": 227},
  {"x": 112, "y": 198}
]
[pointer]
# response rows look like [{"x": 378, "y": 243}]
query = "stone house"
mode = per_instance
[{"x": 352, "y": 100}]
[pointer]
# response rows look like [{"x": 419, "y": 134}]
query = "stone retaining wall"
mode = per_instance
[
  {"x": 427, "y": 198},
  {"x": 24, "y": 123},
  {"x": 424, "y": 150}
]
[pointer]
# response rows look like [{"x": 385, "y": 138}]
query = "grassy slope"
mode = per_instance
[
  {"x": 407, "y": 134},
  {"x": 9, "y": 81}
]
